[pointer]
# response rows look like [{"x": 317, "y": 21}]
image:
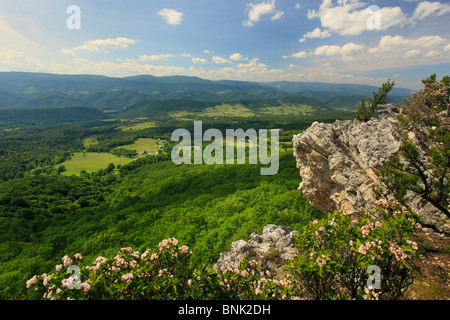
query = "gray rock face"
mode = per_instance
[
  {"x": 271, "y": 249},
  {"x": 338, "y": 164}
]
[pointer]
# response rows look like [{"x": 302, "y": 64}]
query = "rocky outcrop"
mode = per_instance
[
  {"x": 272, "y": 248},
  {"x": 338, "y": 164}
]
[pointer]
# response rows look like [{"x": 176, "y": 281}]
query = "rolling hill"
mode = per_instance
[{"x": 41, "y": 90}]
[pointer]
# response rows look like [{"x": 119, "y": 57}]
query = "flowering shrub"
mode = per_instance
[
  {"x": 425, "y": 105},
  {"x": 162, "y": 273},
  {"x": 336, "y": 252}
]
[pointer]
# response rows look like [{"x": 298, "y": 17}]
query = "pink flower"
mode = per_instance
[
  {"x": 85, "y": 287},
  {"x": 31, "y": 281},
  {"x": 66, "y": 261},
  {"x": 127, "y": 277},
  {"x": 184, "y": 249}
]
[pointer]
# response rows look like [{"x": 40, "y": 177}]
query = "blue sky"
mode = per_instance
[{"x": 344, "y": 41}]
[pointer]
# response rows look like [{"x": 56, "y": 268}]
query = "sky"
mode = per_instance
[{"x": 337, "y": 41}]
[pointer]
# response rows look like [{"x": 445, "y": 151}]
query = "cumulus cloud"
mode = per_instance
[
  {"x": 199, "y": 61},
  {"x": 155, "y": 57},
  {"x": 347, "y": 51},
  {"x": 171, "y": 16},
  {"x": 349, "y": 17},
  {"x": 220, "y": 60},
  {"x": 426, "y": 9},
  {"x": 237, "y": 57},
  {"x": 327, "y": 50},
  {"x": 300, "y": 54},
  {"x": 316, "y": 33},
  {"x": 412, "y": 53},
  {"x": 398, "y": 43},
  {"x": 277, "y": 15},
  {"x": 100, "y": 45},
  {"x": 255, "y": 11}
]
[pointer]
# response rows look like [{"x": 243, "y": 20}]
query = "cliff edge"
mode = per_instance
[{"x": 338, "y": 163}]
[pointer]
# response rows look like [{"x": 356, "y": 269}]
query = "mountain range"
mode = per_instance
[{"x": 24, "y": 90}]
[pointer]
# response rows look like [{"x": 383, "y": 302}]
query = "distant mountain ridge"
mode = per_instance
[{"x": 24, "y": 90}]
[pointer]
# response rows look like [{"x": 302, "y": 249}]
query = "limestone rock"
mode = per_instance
[
  {"x": 272, "y": 248},
  {"x": 338, "y": 163}
]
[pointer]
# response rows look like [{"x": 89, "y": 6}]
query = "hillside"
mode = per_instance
[
  {"x": 45, "y": 116},
  {"x": 41, "y": 90}
]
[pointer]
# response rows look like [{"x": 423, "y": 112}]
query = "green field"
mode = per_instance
[
  {"x": 239, "y": 110},
  {"x": 143, "y": 144},
  {"x": 222, "y": 110},
  {"x": 138, "y": 126},
  {"x": 91, "y": 162},
  {"x": 288, "y": 109}
]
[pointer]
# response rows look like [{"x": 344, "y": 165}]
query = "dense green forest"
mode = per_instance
[
  {"x": 45, "y": 214},
  {"x": 207, "y": 207}
]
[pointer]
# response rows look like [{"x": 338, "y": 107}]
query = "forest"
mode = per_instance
[{"x": 45, "y": 214}]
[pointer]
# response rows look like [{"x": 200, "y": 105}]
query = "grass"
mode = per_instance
[
  {"x": 139, "y": 126},
  {"x": 222, "y": 110},
  {"x": 91, "y": 162},
  {"x": 288, "y": 109},
  {"x": 238, "y": 110},
  {"x": 89, "y": 141},
  {"x": 143, "y": 144}
]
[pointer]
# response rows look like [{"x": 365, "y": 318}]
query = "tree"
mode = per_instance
[
  {"x": 367, "y": 107},
  {"x": 61, "y": 169},
  {"x": 424, "y": 171}
]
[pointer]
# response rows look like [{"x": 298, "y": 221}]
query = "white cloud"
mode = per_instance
[
  {"x": 255, "y": 11},
  {"x": 426, "y": 8},
  {"x": 155, "y": 57},
  {"x": 316, "y": 33},
  {"x": 349, "y": 17},
  {"x": 351, "y": 48},
  {"x": 237, "y": 57},
  {"x": 171, "y": 16},
  {"x": 199, "y": 61},
  {"x": 206, "y": 51},
  {"x": 187, "y": 55},
  {"x": 432, "y": 53},
  {"x": 277, "y": 15},
  {"x": 297, "y": 6},
  {"x": 100, "y": 44},
  {"x": 220, "y": 60},
  {"x": 252, "y": 65},
  {"x": 116, "y": 43},
  {"x": 327, "y": 50},
  {"x": 447, "y": 48},
  {"x": 412, "y": 53},
  {"x": 300, "y": 54},
  {"x": 398, "y": 43}
]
